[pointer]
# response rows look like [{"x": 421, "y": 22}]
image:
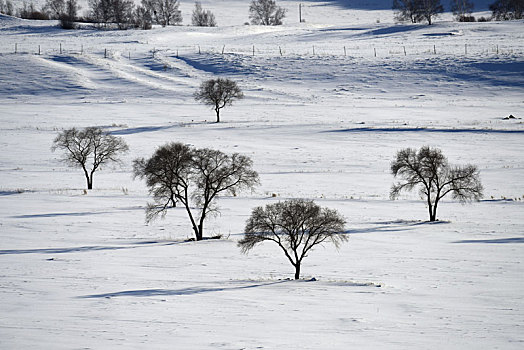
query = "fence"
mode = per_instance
[{"x": 355, "y": 51}]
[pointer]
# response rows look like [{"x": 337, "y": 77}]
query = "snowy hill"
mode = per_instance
[{"x": 327, "y": 105}]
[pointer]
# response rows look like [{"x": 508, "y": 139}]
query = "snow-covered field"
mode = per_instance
[{"x": 83, "y": 271}]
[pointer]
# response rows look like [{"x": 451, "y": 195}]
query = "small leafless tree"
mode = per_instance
[
  {"x": 165, "y": 12},
  {"x": 202, "y": 18},
  {"x": 461, "y": 9},
  {"x": 407, "y": 10},
  {"x": 429, "y": 170},
  {"x": 507, "y": 9},
  {"x": 429, "y": 9},
  {"x": 218, "y": 93},
  {"x": 195, "y": 178},
  {"x": 266, "y": 12},
  {"x": 296, "y": 226},
  {"x": 89, "y": 149}
]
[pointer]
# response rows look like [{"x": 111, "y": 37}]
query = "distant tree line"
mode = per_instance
[
  {"x": 417, "y": 11},
  {"x": 124, "y": 14}
]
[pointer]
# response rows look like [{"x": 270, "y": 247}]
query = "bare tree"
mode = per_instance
[
  {"x": 68, "y": 17},
  {"x": 461, "y": 9},
  {"x": 122, "y": 12},
  {"x": 195, "y": 178},
  {"x": 143, "y": 18},
  {"x": 165, "y": 12},
  {"x": 296, "y": 226},
  {"x": 202, "y": 18},
  {"x": 507, "y": 9},
  {"x": 89, "y": 149},
  {"x": 101, "y": 11},
  {"x": 407, "y": 10},
  {"x": 429, "y": 170},
  {"x": 429, "y": 9},
  {"x": 218, "y": 93},
  {"x": 55, "y": 7},
  {"x": 266, "y": 12}
]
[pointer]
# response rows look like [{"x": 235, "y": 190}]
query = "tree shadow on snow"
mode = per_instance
[
  {"x": 85, "y": 248},
  {"x": 183, "y": 291},
  {"x": 393, "y": 226},
  {"x": 494, "y": 241},
  {"x": 428, "y": 130}
]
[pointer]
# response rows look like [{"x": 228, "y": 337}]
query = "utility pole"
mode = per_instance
[{"x": 300, "y": 13}]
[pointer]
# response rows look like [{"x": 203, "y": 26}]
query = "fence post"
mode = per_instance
[
  {"x": 60, "y": 48},
  {"x": 16, "y": 48},
  {"x": 38, "y": 50},
  {"x": 199, "y": 52},
  {"x": 435, "y": 49},
  {"x": 497, "y": 49},
  {"x": 404, "y": 50},
  {"x": 223, "y": 48},
  {"x": 280, "y": 49},
  {"x": 313, "y": 50},
  {"x": 465, "y": 49},
  {"x": 253, "y": 50},
  {"x": 344, "y": 51},
  {"x": 375, "y": 51},
  {"x": 105, "y": 53}
]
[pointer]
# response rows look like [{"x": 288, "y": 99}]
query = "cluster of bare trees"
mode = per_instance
[
  {"x": 507, "y": 9},
  {"x": 124, "y": 13},
  {"x": 417, "y": 10},
  {"x": 195, "y": 178},
  {"x": 426, "y": 10}
]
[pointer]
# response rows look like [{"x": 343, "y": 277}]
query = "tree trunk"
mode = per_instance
[
  {"x": 430, "y": 208},
  {"x": 89, "y": 183},
  {"x": 297, "y": 271},
  {"x": 433, "y": 214},
  {"x": 200, "y": 232},
  {"x": 218, "y": 114}
]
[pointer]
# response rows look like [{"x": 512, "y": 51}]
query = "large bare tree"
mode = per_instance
[
  {"x": 89, "y": 149},
  {"x": 296, "y": 226},
  {"x": 218, "y": 93},
  {"x": 429, "y": 170},
  {"x": 195, "y": 178}
]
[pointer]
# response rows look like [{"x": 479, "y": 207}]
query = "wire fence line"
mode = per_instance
[{"x": 351, "y": 51}]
